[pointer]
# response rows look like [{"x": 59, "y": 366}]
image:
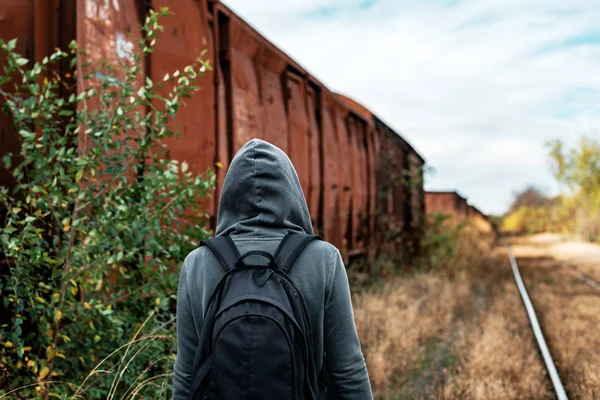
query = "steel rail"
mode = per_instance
[
  {"x": 537, "y": 330},
  {"x": 580, "y": 274}
]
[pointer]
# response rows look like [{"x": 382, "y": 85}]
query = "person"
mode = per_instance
[{"x": 262, "y": 201}]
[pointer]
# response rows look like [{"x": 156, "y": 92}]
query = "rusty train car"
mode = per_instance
[
  {"x": 357, "y": 173},
  {"x": 446, "y": 202},
  {"x": 452, "y": 204}
]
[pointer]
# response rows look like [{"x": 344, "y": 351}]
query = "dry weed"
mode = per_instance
[{"x": 457, "y": 331}]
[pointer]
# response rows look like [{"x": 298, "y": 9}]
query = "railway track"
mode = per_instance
[
  {"x": 537, "y": 330},
  {"x": 584, "y": 277}
]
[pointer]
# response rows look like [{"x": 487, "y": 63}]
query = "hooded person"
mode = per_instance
[{"x": 262, "y": 201}]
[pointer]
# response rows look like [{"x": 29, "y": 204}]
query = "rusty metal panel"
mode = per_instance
[
  {"x": 55, "y": 26},
  {"x": 380, "y": 190},
  {"x": 259, "y": 106},
  {"x": 270, "y": 67},
  {"x": 331, "y": 175},
  {"x": 247, "y": 110},
  {"x": 275, "y": 117},
  {"x": 353, "y": 162},
  {"x": 298, "y": 126},
  {"x": 186, "y": 34},
  {"x": 416, "y": 189},
  {"x": 400, "y": 195},
  {"x": 461, "y": 208},
  {"x": 356, "y": 129},
  {"x": 436, "y": 202},
  {"x": 363, "y": 210},
  {"x": 315, "y": 184},
  {"x": 224, "y": 122},
  {"x": 16, "y": 21},
  {"x": 382, "y": 176},
  {"x": 344, "y": 158},
  {"x": 108, "y": 30},
  {"x": 373, "y": 150},
  {"x": 449, "y": 203},
  {"x": 223, "y": 134}
]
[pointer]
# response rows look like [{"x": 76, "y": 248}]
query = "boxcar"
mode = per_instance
[{"x": 359, "y": 176}]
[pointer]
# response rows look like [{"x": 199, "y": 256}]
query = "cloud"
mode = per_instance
[{"x": 478, "y": 86}]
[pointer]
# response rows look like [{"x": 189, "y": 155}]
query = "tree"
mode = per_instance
[
  {"x": 578, "y": 171},
  {"x": 531, "y": 196}
]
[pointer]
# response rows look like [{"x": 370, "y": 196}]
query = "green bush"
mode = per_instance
[
  {"x": 440, "y": 239},
  {"x": 96, "y": 225}
]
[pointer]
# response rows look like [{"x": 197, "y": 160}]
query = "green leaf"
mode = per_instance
[
  {"x": 27, "y": 134},
  {"x": 7, "y": 159},
  {"x": 78, "y": 175},
  {"x": 22, "y": 61},
  {"x": 12, "y": 44}
]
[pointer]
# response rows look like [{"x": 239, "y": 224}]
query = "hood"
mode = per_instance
[{"x": 261, "y": 195}]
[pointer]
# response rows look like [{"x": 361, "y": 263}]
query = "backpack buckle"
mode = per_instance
[{"x": 262, "y": 276}]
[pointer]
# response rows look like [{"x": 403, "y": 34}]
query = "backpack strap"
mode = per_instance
[
  {"x": 290, "y": 248},
  {"x": 224, "y": 249}
]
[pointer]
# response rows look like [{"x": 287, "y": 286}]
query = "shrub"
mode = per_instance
[{"x": 96, "y": 224}]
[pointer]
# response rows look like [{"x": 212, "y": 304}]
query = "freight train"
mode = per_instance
[
  {"x": 360, "y": 177},
  {"x": 452, "y": 204}
]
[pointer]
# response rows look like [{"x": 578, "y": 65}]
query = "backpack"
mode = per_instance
[{"x": 256, "y": 342}]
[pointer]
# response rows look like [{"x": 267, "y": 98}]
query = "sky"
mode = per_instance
[{"x": 476, "y": 86}]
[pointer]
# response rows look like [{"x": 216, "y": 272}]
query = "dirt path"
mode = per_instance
[{"x": 568, "y": 308}]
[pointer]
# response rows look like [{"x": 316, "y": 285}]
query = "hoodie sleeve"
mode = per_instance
[
  {"x": 345, "y": 362},
  {"x": 187, "y": 340}
]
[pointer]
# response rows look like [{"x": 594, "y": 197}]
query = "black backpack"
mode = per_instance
[{"x": 255, "y": 341}]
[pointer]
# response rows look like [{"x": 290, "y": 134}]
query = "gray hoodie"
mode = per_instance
[{"x": 261, "y": 201}]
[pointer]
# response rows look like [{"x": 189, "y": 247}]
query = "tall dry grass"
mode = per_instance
[
  {"x": 152, "y": 382},
  {"x": 455, "y": 330}
]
